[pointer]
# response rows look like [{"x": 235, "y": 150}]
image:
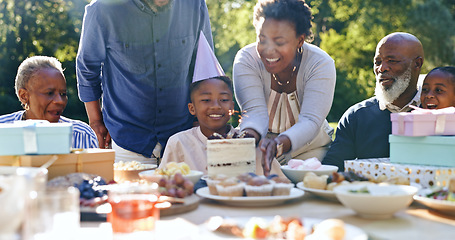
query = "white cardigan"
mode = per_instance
[{"x": 315, "y": 88}]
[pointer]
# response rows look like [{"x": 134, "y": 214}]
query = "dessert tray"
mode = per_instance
[
  {"x": 326, "y": 194},
  {"x": 250, "y": 201},
  {"x": 352, "y": 232},
  {"x": 443, "y": 206}
]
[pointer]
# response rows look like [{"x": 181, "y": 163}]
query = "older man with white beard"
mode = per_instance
[{"x": 363, "y": 130}]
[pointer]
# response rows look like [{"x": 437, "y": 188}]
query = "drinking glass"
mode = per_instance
[
  {"x": 52, "y": 214},
  {"x": 133, "y": 207}
]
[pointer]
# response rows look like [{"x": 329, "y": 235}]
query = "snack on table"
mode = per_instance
[
  {"x": 172, "y": 168},
  {"x": 230, "y": 155},
  {"x": 258, "y": 186},
  {"x": 251, "y": 185},
  {"x": 129, "y": 165},
  {"x": 333, "y": 229},
  {"x": 311, "y": 180},
  {"x": 86, "y": 183},
  {"x": 258, "y": 228},
  {"x": 310, "y": 163},
  {"x": 451, "y": 196},
  {"x": 176, "y": 186},
  {"x": 230, "y": 187},
  {"x": 213, "y": 181},
  {"x": 447, "y": 194},
  {"x": 282, "y": 186}
]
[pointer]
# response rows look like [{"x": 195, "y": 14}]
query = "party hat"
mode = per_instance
[{"x": 206, "y": 66}]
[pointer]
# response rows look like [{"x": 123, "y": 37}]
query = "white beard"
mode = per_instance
[{"x": 398, "y": 87}]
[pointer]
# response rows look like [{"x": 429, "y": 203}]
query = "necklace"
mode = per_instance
[{"x": 276, "y": 78}]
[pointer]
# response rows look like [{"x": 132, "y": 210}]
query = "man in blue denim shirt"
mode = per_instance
[{"x": 137, "y": 56}]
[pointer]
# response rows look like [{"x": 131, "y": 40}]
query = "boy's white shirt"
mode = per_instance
[{"x": 190, "y": 146}]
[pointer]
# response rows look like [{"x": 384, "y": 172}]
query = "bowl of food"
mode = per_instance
[
  {"x": 297, "y": 169},
  {"x": 376, "y": 201},
  {"x": 154, "y": 176},
  {"x": 129, "y": 171}
]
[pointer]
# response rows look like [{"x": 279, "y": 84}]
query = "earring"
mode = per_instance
[
  {"x": 300, "y": 50},
  {"x": 26, "y": 107}
]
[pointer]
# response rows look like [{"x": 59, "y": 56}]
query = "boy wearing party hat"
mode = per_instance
[{"x": 212, "y": 104}]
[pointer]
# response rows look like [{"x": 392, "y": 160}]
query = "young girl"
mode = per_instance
[{"x": 438, "y": 89}]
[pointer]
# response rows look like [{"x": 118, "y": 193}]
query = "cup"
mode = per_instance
[
  {"x": 52, "y": 214},
  {"x": 15, "y": 184},
  {"x": 134, "y": 207},
  {"x": 12, "y": 205}
]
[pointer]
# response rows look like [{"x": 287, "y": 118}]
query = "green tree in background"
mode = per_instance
[
  {"x": 39, "y": 27},
  {"x": 348, "y": 30},
  {"x": 354, "y": 27}
]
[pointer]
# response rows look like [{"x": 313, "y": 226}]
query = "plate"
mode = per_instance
[
  {"x": 191, "y": 203},
  {"x": 297, "y": 175},
  {"x": 352, "y": 232},
  {"x": 443, "y": 206},
  {"x": 326, "y": 194},
  {"x": 250, "y": 201}
]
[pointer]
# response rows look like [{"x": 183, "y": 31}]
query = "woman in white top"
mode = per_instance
[{"x": 283, "y": 85}]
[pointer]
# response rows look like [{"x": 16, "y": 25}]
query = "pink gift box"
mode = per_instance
[{"x": 424, "y": 122}]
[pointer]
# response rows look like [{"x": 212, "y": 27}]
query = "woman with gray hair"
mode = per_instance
[{"x": 41, "y": 88}]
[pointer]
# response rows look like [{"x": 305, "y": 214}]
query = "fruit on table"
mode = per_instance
[{"x": 176, "y": 186}]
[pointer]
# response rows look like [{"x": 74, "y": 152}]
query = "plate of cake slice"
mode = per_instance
[{"x": 250, "y": 201}]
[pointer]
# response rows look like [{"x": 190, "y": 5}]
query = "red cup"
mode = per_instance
[{"x": 134, "y": 207}]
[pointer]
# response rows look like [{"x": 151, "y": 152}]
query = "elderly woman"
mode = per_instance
[
  {"x": 41, "y": 88},
  {"x": 283, "y": 85}
]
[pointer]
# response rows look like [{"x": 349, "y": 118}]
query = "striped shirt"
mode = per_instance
[
  {"x": 284, "y": 109},
  {"x": 83, "y": 134}
]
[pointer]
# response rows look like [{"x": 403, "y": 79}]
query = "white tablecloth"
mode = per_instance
[{"x": 416, "y": 222}]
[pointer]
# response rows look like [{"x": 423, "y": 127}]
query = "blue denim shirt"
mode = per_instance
[{"x": 141, "y": 64}]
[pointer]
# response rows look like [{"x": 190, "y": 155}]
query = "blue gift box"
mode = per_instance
[
  {"x": 428, "y": 150},
  {"x": 35, "y": 137}
]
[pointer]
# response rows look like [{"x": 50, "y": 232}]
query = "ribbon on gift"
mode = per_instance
[
  {"x": 440, "y": 124},
  {"x": 400, "y": 124},
  {"x": 30, "y": 140}
]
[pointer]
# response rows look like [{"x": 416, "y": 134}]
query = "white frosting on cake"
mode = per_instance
[{"x": 231, "y": 157}]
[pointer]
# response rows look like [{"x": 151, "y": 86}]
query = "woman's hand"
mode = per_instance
[
  {"x": 268, "y": 149},
  {"x": 104, "y": 138},
  {"x": 255, "y": 134}
]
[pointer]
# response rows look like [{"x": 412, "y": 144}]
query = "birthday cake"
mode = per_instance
[{"x": 231, "y": 156}]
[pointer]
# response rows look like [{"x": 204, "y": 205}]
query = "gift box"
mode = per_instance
[
  {"x": 429, "y": 150},
  {"x": 424, "y": 122},
  {"x": 35, "y": 137},
  {"x": 93, "y": 160},
  {"x": 426, "y": 176}
]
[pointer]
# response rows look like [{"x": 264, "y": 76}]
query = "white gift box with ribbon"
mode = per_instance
[
  {"x": 424, "y": 122},
  {"x": 426, "y": 176},
  {"x": 35, "y": 137}
]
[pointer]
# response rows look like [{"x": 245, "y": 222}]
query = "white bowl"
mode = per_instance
[
  {"x": 296, "y": 175},
  {"x": 150, "y": 176},
  {"x": 382, "y": 201}
]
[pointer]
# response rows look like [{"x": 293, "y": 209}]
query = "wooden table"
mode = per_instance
[{"x": 416, "y": 222}]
